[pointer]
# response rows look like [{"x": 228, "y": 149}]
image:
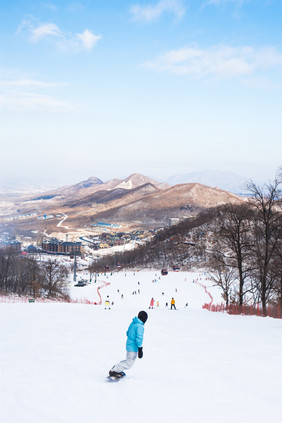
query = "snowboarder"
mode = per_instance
[
  {"x": 152, "y": 302},
  {"x": 133, "y": 345},
  {"x": 172, "y": 304}
]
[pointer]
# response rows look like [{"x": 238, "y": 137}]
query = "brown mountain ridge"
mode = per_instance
[
  {"x": 160, "y": 205},
  {"x": 137, "y": 200}
]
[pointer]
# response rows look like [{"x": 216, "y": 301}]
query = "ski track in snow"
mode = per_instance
[
  {"x": 198, "y": 366},
  {"x": 61, "y": 221}
]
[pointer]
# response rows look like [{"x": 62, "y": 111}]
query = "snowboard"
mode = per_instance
[{"x": 115, "y": 379}]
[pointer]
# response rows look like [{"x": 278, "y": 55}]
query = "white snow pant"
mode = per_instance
[{"x": 126, "y": 364}]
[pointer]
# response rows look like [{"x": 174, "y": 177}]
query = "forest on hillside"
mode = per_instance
[{"x": 239, "y": 245}]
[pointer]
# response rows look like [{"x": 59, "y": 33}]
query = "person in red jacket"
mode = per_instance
[{"x": 152, "y": 302}]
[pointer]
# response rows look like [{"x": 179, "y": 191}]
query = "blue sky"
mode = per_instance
[{"x": 108, "y": 88}]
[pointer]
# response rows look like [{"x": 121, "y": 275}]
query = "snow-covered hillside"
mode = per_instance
[{"x": 198, "y": 366}]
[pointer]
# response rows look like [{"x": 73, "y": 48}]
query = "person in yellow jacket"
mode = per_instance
[
  {"x": 172, "y": 304},
  {"x": 107, "y": 303}
]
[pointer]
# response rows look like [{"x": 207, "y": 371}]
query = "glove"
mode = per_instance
[{"x": 140, "y": 352}]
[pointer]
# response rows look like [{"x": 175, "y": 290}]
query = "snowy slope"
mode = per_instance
[{"x": 198, "y": 367}]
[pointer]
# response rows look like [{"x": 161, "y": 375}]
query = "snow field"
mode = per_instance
[
  {"x": 198, "y": 366},
  {"x": 151, "y": 284}
]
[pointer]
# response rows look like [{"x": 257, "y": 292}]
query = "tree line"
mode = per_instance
[
  {"x": 24, "y": 275},
  {"x": 245, "y": 259}
]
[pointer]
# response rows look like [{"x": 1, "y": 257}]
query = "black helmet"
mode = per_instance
[{"x": 143, "y": 316}]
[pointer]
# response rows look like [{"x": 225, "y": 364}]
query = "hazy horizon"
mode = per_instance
[{"x": 21, "y": 185}]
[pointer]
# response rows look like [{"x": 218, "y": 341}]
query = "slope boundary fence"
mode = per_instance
[
  {"x": 272, "y": 310},
  {"x": 207, "y": 292}
]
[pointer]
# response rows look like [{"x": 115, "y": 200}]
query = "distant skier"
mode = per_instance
[
  {"x": 172, "y": 304},
  {"x": 107, "y": 303},
  {"x": 152, "y": 302},
  {"x": 134, "y": 346}
]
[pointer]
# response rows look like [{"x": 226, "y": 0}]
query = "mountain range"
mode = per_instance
[
  {"x": 136, "y": 200},
  {"x": 225, "y": 180},
  {"x": 92, "y": 185}
]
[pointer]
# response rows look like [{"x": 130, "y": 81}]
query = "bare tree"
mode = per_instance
[
  {"x": 231, "y": 234},
  {"x": 54, "y": 278},
  {"x": 266, "y": 225},
  {"x": 223, "y": 276},
  {"x": 35, "y": 278},
  {"x": 276, "y": 267},
  {"x": 6, "y": 270}
]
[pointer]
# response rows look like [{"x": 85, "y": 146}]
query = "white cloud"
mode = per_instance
[
  {"x": 217, "y": 61},
  {"x": 36, "y": 32},
  {"x": 151, "y": 12},
  {"x": 88, "y": 39},
  {"x": 45, "y": 30},
  {"x": 34, "y": 101},
  {"x": 262, "y": 83},
  {"x": 24, "y": 94}
]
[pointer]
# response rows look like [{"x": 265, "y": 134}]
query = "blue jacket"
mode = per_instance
[{"x": 135, "y": 335}]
